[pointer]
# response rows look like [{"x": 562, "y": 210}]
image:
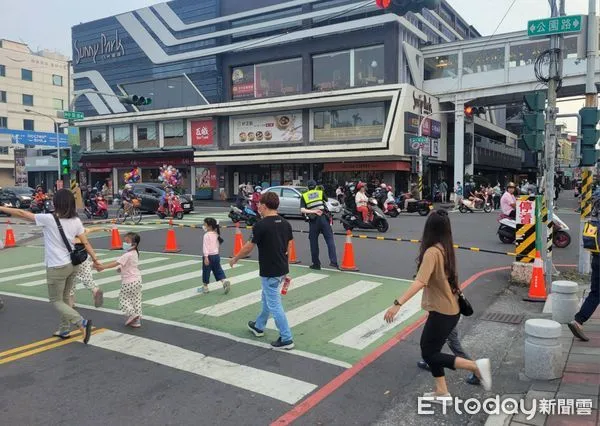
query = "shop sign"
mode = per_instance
[
  {"x": 367, "y": 166},
  {"x": 242, "y": 82},
  {"x": 430, "y": 127},
  {"x": 206, "y": 182},
  {"x": 105, "y": 48},
  {"x": 422, "y": 104},
  {"x": 267, "y": 128},
  {"x": 411, "y": 122},
  {"x": 148, "y": 162},
  {"x": 202, "y": 132}
]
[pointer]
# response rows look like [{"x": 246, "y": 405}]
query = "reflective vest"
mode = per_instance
[{"x": 314, "y": 199}]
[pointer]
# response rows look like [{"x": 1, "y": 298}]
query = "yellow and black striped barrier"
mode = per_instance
[
  {"x": 586, "y": 194},
  {"x": 525, "y": 237},
  {"x": 420, "y": 184},
  {"x": 549, "y": 227},
  {"x": 73, "y": 184}
]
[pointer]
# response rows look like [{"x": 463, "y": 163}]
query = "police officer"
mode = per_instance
[{"x": 314, "y": 207}]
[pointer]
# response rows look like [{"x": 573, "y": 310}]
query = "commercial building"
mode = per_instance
[{"x": 261, "y": 91}]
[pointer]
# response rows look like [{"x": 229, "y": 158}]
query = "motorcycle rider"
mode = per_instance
[
  {"x": 127, "y": 197},
  {"x": 312, "y": 204},
  {"x": 362, "y": 201},
  {"x": 39, "y": 197},
  {"x": 389, "y": 199},
  {"x": 241, "y": 198},
  {"x": 255, "y": 199},
  {"x": 414, "y": 195},
  {"x": 92, "y": 197},
  {"x": 508, "y": 201}
]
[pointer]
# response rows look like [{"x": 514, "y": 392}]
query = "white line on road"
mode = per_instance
[
  {"x": 375, "y": 327},
  {"x": 18, "y": 268},
  {"x": 234, "y": 304},
  {"x": 161, "y": 268},
  {"x": 276, "y": 386},
  {"x": 323, "y": 304},
  {"x": 191, "y": 292}
]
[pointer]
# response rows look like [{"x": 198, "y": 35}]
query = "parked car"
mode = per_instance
[
  {"x": 150, "y": 194},
  {"x": 289, "y": 200},
  {"x": 19, "y": 196}
]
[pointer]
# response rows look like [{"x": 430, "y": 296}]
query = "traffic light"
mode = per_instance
[
  {"x": 589, "y": 135},
  {"x": 470, "y": 111},
  {"x": 135, "y": 100},
  {"x": 532, "y": 134},
  {"x": 401, "y": 7},
  {"x": 65, "y": 162}
]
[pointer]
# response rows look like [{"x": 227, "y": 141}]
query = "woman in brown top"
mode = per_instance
[{"x": 438, "y": 278}]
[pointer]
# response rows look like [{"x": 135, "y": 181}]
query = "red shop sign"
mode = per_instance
[
  {"x": 368, "y": 166},
  {"x": 202, "y": 132}
]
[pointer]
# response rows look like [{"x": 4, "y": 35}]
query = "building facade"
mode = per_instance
[
  {"x": 262, "y": 91},
  {"x": 33, "y": 86}
]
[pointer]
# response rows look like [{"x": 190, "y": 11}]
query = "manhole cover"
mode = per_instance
[{"x": 502, "y": 317}]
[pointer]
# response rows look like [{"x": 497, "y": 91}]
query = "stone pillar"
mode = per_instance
[
  {"x": 543, "y": 350},
  {"x": 564, "y": 301},
  {"x": 459, "y": 142}
]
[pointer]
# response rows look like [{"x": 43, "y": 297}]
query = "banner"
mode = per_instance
[
  {"x": 21, "y": 178},
  {"x": 206, "y": 182},
  {"x": 267, "y": 128}
]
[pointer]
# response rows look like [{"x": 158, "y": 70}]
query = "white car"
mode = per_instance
[{"x": 289, "y": 200}]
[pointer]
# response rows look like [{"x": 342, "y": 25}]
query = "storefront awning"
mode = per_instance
[{"x": 397, "y": 166}]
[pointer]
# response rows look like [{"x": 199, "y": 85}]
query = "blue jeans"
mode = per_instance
[
  {"x": 321, "y": 226},
  {"x": 271, "y": 304},
  {"x": 214, "y": 265},
  {"x": 593, "y": 298}
]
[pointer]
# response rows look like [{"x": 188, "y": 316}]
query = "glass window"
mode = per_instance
[
  {"x": 526, "y": 54},
  {"x": 147, "y": 135},
  {"x": 2, "y": 70},
  {"x": 166, "y": 93},
  {"x": 278, "y": 78},
  {"x": 3, "y": 96},
  {"x": 3, "y": 122},
  {"x": 98, "y": 139},
  {"x": 570, "y": 48},
  {"x": 368, "y": 66},
  {"x": 57, "y": 80},
  {"x": 173, "y": 133},
  {"x": 331, "y": 71},
  {"x": 482, "y": 61},
  {"x": 122, "y": 137},
  {"x": 28, "y": 100},
  {"x": 28, "y": 125},
  {"x": 58, "y": 104},
  {"x": 289, "y": 193},
  {"x": 441, "y": 67},
  {"x": 349, "y": 123},
  {"x": 26, "y": 74}
]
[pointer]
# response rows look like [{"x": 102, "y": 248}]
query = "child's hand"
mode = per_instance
[
  {"x": 99, "y": 267},
  {"x": 206, "y": 261}
]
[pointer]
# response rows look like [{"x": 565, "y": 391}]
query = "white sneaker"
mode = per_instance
[
  {"x": 439, "y": 399},
  {"x": 485, "y": 372}
]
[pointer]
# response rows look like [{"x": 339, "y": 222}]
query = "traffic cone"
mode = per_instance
[
  {"x": 115, "y": 238},
  {"x": 171, "y": 243},
  {"x": 348, "y": 263},
  {"x": 537, "y": 285},
  {"x": 292, "y": 259},
  {"x": 9, "y": 238}
]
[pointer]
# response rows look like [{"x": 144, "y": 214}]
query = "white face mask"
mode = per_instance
[
  {"x": 204, "y": 228},
  {"x": 126, "y": 246}
]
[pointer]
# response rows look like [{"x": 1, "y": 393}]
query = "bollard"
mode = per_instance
[
  {"x": 543, "y": 350},
  {"x": 564, "y": 301}
]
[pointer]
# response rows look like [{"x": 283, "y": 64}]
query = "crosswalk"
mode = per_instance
[{"x": 152, "y": 222}]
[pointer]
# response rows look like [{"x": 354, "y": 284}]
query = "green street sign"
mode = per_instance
[
  {"x": 419, "y": 139},
  {"x": 72, "y": 115},
  {"x": 557, "y": 25}
]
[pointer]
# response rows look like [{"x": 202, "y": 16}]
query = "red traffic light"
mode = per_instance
[
  {"x": 383, "y": 4},
  {"x": 470, "y": 111}
]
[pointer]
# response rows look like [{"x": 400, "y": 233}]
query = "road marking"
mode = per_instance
[
  {"x": 41, "y": 282},
  {"x": 191, "y": 292},
  {"x": 234, "y": 304},
  {"x": 263, "y": 382},
  {"x": 165, "y": 281},
  {"x": 18, "y": 268},
  {"x": 162, "y": 268},
  {"x": 375, "y": 327},
  {"x": 222, "y": 334},
  {"x": 320, "y": 306}
]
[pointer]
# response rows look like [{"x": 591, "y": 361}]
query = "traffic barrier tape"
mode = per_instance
[{"x": 586, "y": 194}]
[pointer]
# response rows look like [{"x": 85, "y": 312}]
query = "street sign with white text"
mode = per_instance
[
  {"x": 70, "y": 115},
  {"x": 557, "y": 25}
]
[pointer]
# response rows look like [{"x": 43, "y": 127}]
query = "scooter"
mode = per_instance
[
  {"x": 247, "y": 215},
  {"x": 351, "y": 220},
  {"x": 423, "y": 207},
  {"x": 47, "y": 206},
  {"x": 468, "y": 206},
  {"x": 560, "y": 235},
  {"x": 101, "y": 208},
  {"x": 391, "y": 209},
  {"x": 173, "y": 209}
]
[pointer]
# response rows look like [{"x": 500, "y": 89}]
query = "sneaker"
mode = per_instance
[
  {"x": 472, "y": 379},
  {"x": 439, "y": 399},
  {"x": 334, "y": 265},
  {"x": 62, "y": 334},
  {"x": 130, "y": 320},
  {"x": 423, "y": 365},
  {"x": 203, "y": 289},
  {"x": 578, "y": 331},
  {"x": 485, "y": 371},
  {"x": 283, "y": 345},
  {"x": 137, "y": 323},
  {"x": 87, "y": 330},
  {"x": 254, "y": 330},
  {"x": 226, "y": 286},
  {"x": 315, "y": 267}
]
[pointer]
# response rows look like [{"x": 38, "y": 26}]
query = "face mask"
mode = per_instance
[
  {"x": 204, "y": 228},
  {"x": 126, "y": 246}
]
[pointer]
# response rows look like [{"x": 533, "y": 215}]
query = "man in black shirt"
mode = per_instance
[{"x": 273, "y": 235}]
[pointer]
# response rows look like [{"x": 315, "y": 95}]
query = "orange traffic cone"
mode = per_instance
[
  {"x": 171, "y": 243},
  {"x": 292, "y": 259},
  {"x": 348, "y": 263},
  {"x": 115, "y": 238},
  {"x": 9, "y": 239},
  {"x": 537, "y": 286},
  {"x": 238, "y": 243}
]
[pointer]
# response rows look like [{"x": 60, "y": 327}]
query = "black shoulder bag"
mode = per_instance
[
  {"x": 464, "y": 305},
  {"x": 78, "y": 254}
]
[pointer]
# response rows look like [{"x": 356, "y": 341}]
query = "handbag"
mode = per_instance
[
  {"x": 464, "y": 305},
  {"x": 78, "y": 254}
]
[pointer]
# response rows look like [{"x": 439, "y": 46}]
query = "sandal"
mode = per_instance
[
  {"x": 130, "y": 320},
  {"x": 98, "y": 298}
]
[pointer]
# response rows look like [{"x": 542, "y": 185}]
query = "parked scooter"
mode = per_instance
[
  {"x": 351, "y": 219},
  {"x": 246, "y": 215},
  {"x": 101, "y": 208},
  {"x": 173, "y": 208},
  {"x": 468, "y": 206},
  {"x": 560, "y": 231}
]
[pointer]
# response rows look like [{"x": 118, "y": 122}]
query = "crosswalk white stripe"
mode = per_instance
[
  {"x": 18, "y": 268},
  {"x": 191, "y": 292},
  {"x": 273, "y": 385},
  {"x": 375, "y": 327},
  {"x": 323, "y": 304},
  {"x": 162, "y": 268},
  {"x": 165, "y": 281},
  {"x": 42, "y": 282},
  {"x": 240, "y": 302}
]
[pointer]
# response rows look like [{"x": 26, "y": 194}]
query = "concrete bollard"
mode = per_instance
[
  {"x": 543, "y": 350},
  {"x": 564, "y": 301}
]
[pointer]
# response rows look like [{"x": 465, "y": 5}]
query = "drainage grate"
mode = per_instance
[{"x": 502, "y": 317}]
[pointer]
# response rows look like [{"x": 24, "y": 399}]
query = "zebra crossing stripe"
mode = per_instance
[
  {"x": 331, "y": 301},
  {"x": 240, "y": 302},
  {"x": 375, "y": 327},
  {"x": 191, "y": 292},
  {"x": 273, "y": 385},
  {"x": 18, "y": 268},
  {"x": 195, "y": 275},
  {"x": 162, "y": 268}
]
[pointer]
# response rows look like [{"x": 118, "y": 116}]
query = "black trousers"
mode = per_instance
[{"x": 435, "y": 333}]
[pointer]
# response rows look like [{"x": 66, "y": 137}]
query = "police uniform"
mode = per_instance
[{"x": 312, "y": 200}]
